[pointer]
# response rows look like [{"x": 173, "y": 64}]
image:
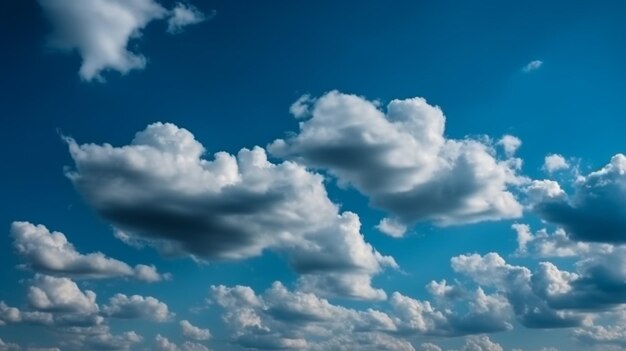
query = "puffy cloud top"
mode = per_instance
[{"x": 402, "y": 161}]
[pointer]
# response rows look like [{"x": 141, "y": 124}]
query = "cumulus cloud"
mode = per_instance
[
  {"x": 480, "y": 343},
  {"x": 100, "y": 30},
  {"x": 101, "y": 338},
  {"x": 164, "y": 344},
  {"x": 193, "y": 332},
  {"x": 402, "y": 161},
  {"x": 555, "y": 162},
  {"x": 12, "y": 315},
  {"x": 544, "y": 244},
  {"x": 526, "y": 293},
  {"x": 283, "y": 319},
  {"x": 137, "y": 307},
  {"x": 301, "y": 320},
  {"x": 532, "y": 66},
  {"x": 61, "y": 294},
  {"x": 485, "y": 314},
  {"x": 51, "y": 253},
  {"x": 597, "y": 210},
  {"x": 391, "y": 228},
  {"x": 160, "y": 190},
  {"x": 510, "y": 144}
]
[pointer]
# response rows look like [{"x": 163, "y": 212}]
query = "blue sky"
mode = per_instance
[{"x": 309, "y": 175}]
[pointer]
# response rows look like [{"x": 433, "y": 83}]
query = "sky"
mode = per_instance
[{"x": 313, "y": 175}]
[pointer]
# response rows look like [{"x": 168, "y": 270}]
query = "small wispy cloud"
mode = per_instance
[{"x": 532, "y": 66}]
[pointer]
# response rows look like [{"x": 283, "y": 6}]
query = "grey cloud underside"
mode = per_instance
[
  {"x": 597, "y": 210},
  {"x": 159, "y": 189}
]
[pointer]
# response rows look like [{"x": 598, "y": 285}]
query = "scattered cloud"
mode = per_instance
[
  {"x": 555, "y": 162},
  {"x": 163, "y": 344},
  {"x": 193, "y": 332},
  {"x": 510, "y": 144},
  {"x": 52, "y": 254},
  {"x": 137, "y": 307},
  {"x": 100, "y": 30},
  {"x": 184, "y": 15},
  {"x": 532, "y": 66},
  {"x": 480, "y": 343},
  {"x": 161, "y": 191},
  {"x": 402, "y": 161}
]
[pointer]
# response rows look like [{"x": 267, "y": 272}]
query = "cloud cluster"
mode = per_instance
[
  {"x": 159, "y": 189},
  {"x": 162, "y": 343},
  {"x": 403, "y": 162},
  {"x": 283, "y": 319},
  {"x": 596, "y": 212},
  {"x": 100, "y": 30},
  {"x": 52, "y": 254}
]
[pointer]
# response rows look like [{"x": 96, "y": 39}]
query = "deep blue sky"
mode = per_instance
[{"x": 230, "y": 81}]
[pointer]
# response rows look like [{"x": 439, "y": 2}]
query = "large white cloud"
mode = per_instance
[
  {"x": 403, "y": 162},
  {"x": 161, "y": 190},
  {"x": 51, "y": 253},
  {"x": 100, "y": 30},
  {"x": 596, "y": 212}
]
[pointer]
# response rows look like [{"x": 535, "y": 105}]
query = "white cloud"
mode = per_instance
[
  {"x": 525, "y": 292},
  {"x": 100, "y": 30},
  {"x": 480, "y": 343},
  {"x": 555, "y": 162},
  {"x": 543, "y": 244},
  {"x": 402, "y": 161},
  {"x": 193, "y": 332},
  {"x": 163, "y": 344},
  {"x": 137, "y": 307},
  {"x": 510, "y": 144},
  {"x": 160, "y": 190},
  {"x": 532, "y": 66},
  {"x": 101, "y": 338},
  {"x": 61, "y": 294},
  {"x": 391, "y": 228},
  {"x": 12, "y": 315},
  {"x": 285, "y": 319},
  {"x": 183, "y": 15},
  {"x": 51, "y": 253}
]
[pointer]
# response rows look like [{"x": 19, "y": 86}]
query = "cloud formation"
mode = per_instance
[
  {"x": 137, "y": 307},
  {"x": 52, "y": 254},
  {"x": 597, "y": 210},
  {"x": 403, "y": 162},
  {"x": 100, "y": 30},
  {"x": 555, "y": 162},
  {"x": 193, "y": 332},
  {"x": 161, "y": 191}
]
